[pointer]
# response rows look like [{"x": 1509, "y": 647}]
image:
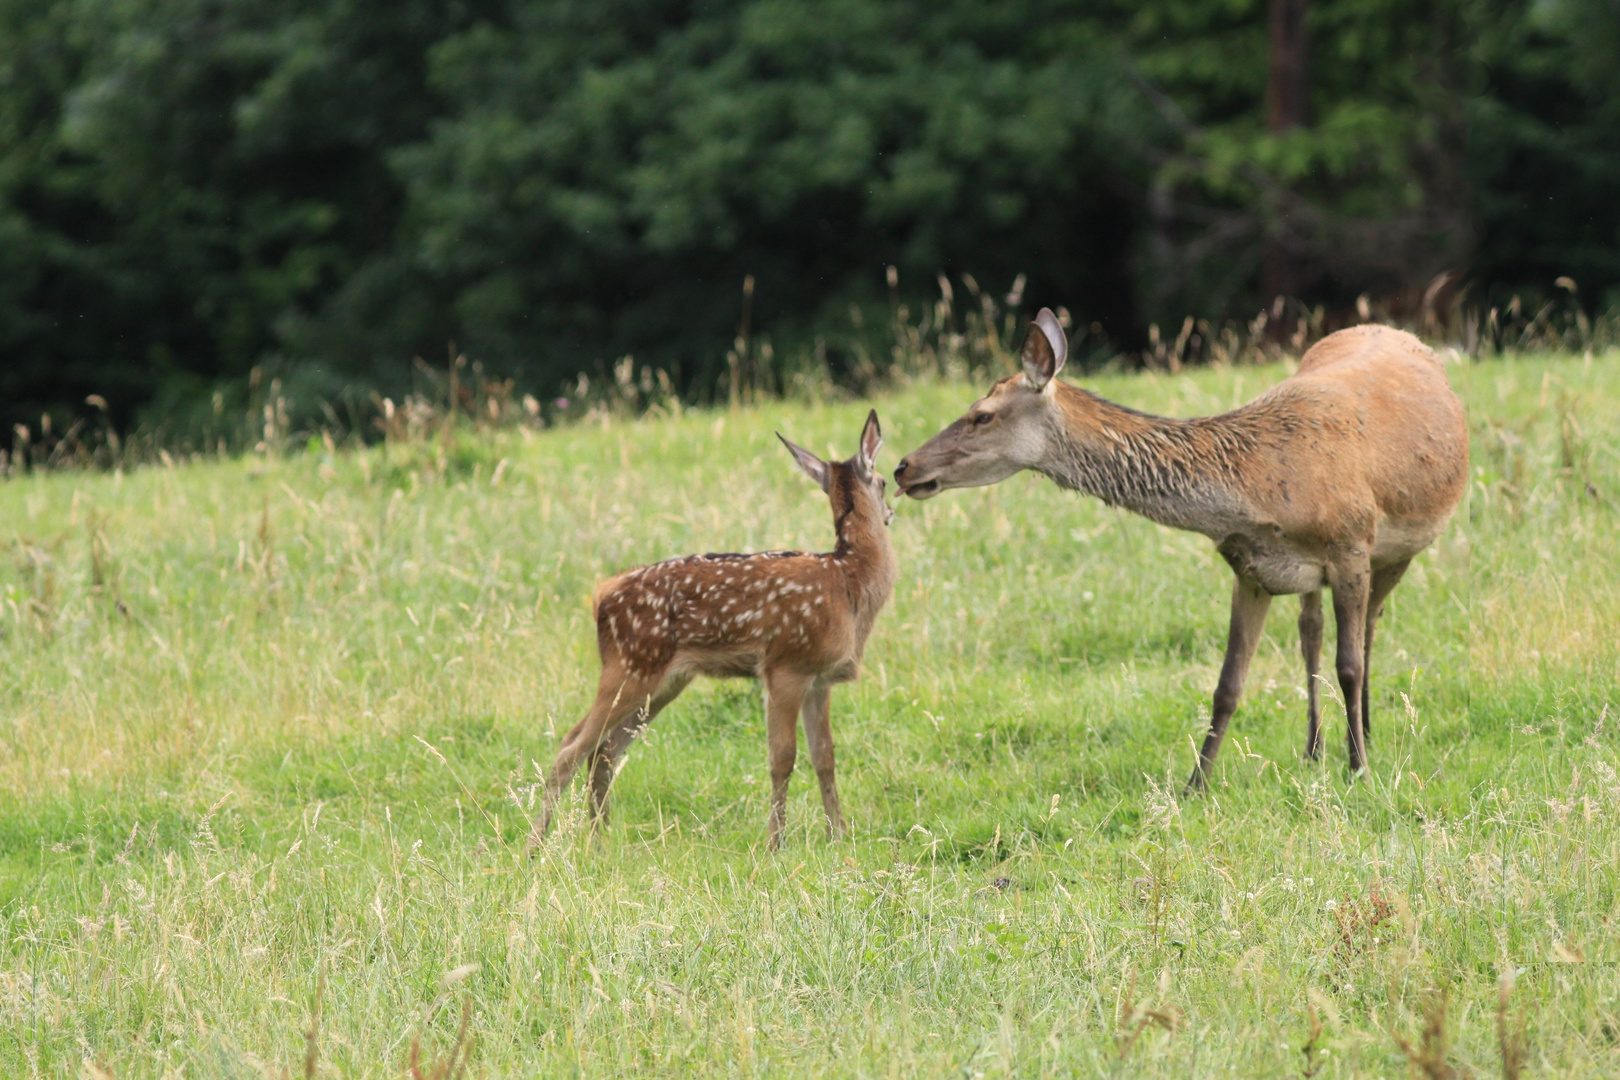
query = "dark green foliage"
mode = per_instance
[
  {"x": 614, "y": 170},
  {"x": 1369, "y": 196},
  {"x": 189, "y": 190},
  {"x": 184, "y": 185},
  {"x": 1544, "y": 151}
]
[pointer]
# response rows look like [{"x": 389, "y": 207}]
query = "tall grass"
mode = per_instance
[
  {"x": 270, "y": 729},
  {"x": 966, "y": 332}
]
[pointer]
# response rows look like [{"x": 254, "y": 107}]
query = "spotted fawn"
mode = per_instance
[{"x": 796, "y": 621}]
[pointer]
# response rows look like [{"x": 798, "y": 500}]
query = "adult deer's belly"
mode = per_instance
[
  {"x": 1274, "y": 563},
  {"x": 1397, "y": 541}
]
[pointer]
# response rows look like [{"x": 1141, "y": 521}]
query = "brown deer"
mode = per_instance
[
  {"x": 798, "y": 622},
  {"x": 1335, "y": 477}
]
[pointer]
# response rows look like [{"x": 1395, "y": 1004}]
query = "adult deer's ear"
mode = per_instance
[
  {"x": 813, "y": 467},
  {"x": 1045, "y": 350},
  {"x": 871, "y": 439}
]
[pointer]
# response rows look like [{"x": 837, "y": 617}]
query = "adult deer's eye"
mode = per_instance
[{"x": 981, "y": 419}]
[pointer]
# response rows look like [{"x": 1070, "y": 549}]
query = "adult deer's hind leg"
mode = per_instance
[
  {"x": 1350, "y": 592},
  {"x": 1383, "y": 583},
  {"x": 605, "y": 762},
  {"x": 784, "y": 693},
  {"x": 1310, "y": 646},
  {"x": 1249, "y": 606},
  {"x": 818, "y": 739}
]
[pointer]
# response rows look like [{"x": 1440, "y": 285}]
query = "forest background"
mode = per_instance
[{"x": 197, "y": 197}]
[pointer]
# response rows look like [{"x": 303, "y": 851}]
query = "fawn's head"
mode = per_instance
[
  {"x": 853, "y": 486},
  {"x": 1003, "y": 432}
]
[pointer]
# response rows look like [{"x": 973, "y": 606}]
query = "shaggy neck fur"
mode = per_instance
[{"x": 1182, "y": 473}]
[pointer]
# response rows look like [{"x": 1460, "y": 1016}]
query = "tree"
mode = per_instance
[
  {"x": 1544, "y": 148},
  {"x": 1288, "y": 99},
  {"x": 1370, "y": 197},
  {"x": 187, "y": 184},
  {"x": 615, "y": 169},
  {"x": 189, "y": 190}
]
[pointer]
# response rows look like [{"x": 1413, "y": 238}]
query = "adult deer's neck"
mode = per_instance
[{"x": 1182, "y": 473}]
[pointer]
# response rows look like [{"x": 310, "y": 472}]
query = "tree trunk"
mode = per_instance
[
  {"x": 1287, "y": 106},
  {"x": 1288, "y": 69}
]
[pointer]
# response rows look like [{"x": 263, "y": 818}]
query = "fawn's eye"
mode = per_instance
[{"x": 981, "y": 419}]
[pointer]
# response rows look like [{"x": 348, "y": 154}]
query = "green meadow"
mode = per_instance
[{"x": 271, "y": 730}]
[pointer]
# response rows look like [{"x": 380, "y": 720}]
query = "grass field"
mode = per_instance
[{"x": 270, "y": 731}]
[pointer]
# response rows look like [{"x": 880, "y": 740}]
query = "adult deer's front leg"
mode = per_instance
[
  {"x": 1249, "y": 606},
  {"x": 818, "y": 737},
  {"x": 784, "y": 694},
  {"x": 1310, "y": 647},
  {"x": 1350, "y": 592}
]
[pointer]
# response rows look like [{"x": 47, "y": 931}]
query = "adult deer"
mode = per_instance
[
  {"x": 1335, "y": 477},
  {"x": 798, "y": 622}
]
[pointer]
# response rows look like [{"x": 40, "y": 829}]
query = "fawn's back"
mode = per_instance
[{"x": 735, "y": 615}]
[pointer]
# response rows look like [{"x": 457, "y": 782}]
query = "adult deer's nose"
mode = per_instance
[{"x": 900, "y": 470}]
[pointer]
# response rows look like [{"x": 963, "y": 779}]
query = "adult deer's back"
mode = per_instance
[{"x": 1407, "y": 427}]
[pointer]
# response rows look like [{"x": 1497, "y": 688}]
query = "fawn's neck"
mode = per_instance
[{"x": 864, "y": 555}]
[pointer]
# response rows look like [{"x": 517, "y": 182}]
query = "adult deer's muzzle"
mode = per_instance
[{"x": 911, "y": 482}]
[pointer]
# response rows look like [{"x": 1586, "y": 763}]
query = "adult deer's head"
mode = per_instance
[{"x": 1003, "y": 432}]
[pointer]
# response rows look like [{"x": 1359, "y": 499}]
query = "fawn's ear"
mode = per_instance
[
  {"x": 1045, "y": 350},
  {"x": 813, "y": 467},
  {"x": 871, "y": 440}
]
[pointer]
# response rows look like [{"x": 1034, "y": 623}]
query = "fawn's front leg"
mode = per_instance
[
  {"x": 784, "y": 693},
  {"x": 818, "y": 738}
]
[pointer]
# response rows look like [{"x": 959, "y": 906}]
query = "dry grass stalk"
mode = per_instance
[
  {"x": 1134, "y": 1018},
  {"x": 1312, "y": 1050},
  {"x": 1428, "y": 1058},
  {"x": 1360, "y": 922},
  {"x": 312, "y": 1034},
  {"x": 1510, "y": 1035},
  {"x": 452, "y": 1066}
]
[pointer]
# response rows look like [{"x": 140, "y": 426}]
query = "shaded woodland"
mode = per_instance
[{"x": 193, "y": 191}]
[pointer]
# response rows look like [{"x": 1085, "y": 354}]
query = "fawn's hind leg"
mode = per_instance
[
  {"x": 605, "y": 762},
  {"x": 618, "y": 695},
  {"x": 818, "y": 739}
]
